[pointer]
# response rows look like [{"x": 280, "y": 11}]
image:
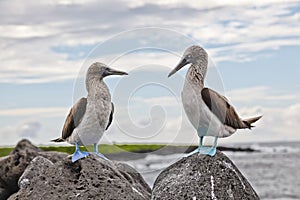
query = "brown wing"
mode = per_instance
[
  {"x": 110, "y": 116},
  {"x": 74, "y": 118},
  {"x": 220, "y": 106}
]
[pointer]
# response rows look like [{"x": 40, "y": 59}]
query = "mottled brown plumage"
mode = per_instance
[{"x": 225, "y": 112}]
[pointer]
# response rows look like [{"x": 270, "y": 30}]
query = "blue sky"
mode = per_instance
[{"x": 47, "y": 46}]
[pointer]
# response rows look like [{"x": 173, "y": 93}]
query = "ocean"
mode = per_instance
[{"x": 274, "y": 171}]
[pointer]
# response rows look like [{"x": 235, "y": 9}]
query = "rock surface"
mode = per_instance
[
  {"x": 203, "y": 177},
  {"x": 89, "y": 178},
  {"x": 13, "y": 165},
  {"x": 34, "y": 174}
]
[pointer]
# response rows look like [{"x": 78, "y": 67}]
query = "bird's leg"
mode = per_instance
[
  {"x": 213, "y": 149},
  {"x": 95, "y": 148},
  {"x": 209, "y": 150},
  {"x": 78, "y": 154},
  {"x": 198, "y": 148},
  {"x": 201, "y": 142},
  {"x": 97, "y": 153}
]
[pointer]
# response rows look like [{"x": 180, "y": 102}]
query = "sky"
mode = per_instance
[{"x": 47, "y": 46}]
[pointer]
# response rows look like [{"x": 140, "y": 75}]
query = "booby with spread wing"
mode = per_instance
[
  {"x": 91, "y": 116},
  {"x": 210, "y": 113}
]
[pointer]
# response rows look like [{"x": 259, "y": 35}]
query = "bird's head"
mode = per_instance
[
  {"x": 192, "y": 55},
  {"x": 102, "y": 70}
]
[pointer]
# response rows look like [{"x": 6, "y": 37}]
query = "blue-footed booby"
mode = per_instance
[
  {"x": 91, "y": 116},
  {"x": 209, "y": 112}
]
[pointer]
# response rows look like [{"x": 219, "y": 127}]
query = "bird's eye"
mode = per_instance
[{"x": 189, "y": 55}]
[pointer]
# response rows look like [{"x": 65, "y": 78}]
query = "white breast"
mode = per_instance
[
  {"x": 95, "y": 119},
  {"x": 203, "y": 120}
]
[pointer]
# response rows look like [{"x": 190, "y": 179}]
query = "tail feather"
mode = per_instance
[
  {"x": 58, "y": 140},
  {"x": 251, "y": 120}
]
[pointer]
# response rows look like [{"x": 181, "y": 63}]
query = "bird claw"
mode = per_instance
[{"x": 79, "y": 154}]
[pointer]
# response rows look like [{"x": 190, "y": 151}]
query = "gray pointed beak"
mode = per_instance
[
  {"x": 181, "y": 64},
  {"x": 116, "y": 72}
]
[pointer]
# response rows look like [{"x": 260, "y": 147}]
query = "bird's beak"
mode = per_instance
[
  {"x": 116, "y": 72},
  {"x": 181, "y": 64}
]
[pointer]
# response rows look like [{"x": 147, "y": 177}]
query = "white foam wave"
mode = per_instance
[{"x": 275, "y": 149}]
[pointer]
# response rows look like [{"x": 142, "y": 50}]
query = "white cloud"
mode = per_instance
[
  {"x": 260, "y": 94},
  {"x": 277, "y": 123},
  {"x": 72, "y": 2},
  {"x": 280, "y": 112},
  {"x": 38, "y": 128},
  {"x": 175, "y": 130},
  {"x": 8, "y": 136},
  {"x": 206, "y": 5},
  {"x": 28, "y": 32},
  {"x": 29, "y": 129},
  {"x": 165, "y": 101},
  {"x": 39, "y": 125},
  {"x": 44, "y": 112}
]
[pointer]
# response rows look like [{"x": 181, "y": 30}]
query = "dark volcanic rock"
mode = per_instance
[
  {"x": 13, "y": 166},
  {"x": 203, "y": 177},
  {"x": 89, "y": 178},
  {"x": 31, "y": 173},
  {"x": 36, "y": 168}
]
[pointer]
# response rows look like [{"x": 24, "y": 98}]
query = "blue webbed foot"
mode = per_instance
[
  {"x": 79, "y": 154},
  {"x": 212, "y": 151},
  {"x": 203, "y": 150},
  {"x": 193, "y": 152},
  {"x": 101, "y": 156},
  {"x": 208, "y": 150}
]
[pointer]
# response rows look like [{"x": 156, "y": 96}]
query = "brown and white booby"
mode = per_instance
[
  {"x": 91, "y": 116},
  {"x": 209, "y": 112}
]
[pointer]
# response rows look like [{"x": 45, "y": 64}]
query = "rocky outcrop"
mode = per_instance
[
  {"x": 89, "y": 178},
  {"x": 31, "y": 173},
  {"x": 203, "y": 177},
  {"x": 13, "y": 165},
  {"x": 34, "y": 174}
]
